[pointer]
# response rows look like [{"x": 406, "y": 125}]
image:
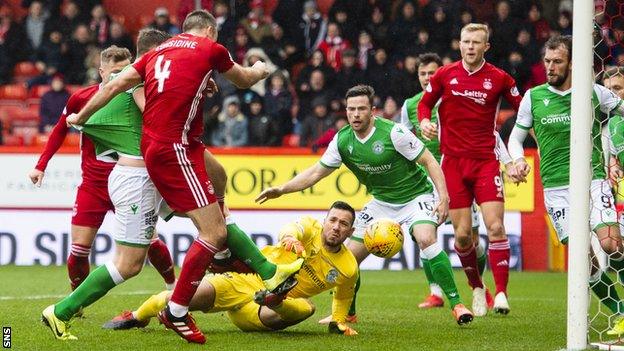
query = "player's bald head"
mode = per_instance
[
  {"x": 150, "y": 38},
  {"x": 199, "y": 19}
]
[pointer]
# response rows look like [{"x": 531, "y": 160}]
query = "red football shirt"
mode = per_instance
[
  {"x": 175, "y": 75},
  {"x": 469, "y": 103},
  {"x": 93, "y": 170}
]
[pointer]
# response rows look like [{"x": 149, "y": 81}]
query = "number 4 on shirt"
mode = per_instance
[{"x": 162, "y": 71}]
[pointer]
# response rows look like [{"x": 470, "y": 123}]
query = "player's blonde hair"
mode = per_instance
[
  {"x": 115, "y": 54},
  {"x": 475, "y": 27}
]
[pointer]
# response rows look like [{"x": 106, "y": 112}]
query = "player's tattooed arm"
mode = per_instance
[
  {"x": 300, "y": 182},
  {"x": 435, "y": 173}
]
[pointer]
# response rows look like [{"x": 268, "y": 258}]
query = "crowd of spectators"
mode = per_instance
[{"x": 313, "y": 57}]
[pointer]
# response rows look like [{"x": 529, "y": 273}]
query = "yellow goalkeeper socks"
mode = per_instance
[
  {"x": 152, "y": 306},
  {"x": 294, "y": 310}
]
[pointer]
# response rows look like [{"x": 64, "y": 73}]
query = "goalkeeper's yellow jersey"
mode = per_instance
[{"x": 322, "y": 270}]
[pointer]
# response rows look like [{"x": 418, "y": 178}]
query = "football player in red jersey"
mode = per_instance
[
  {"x": 470, "y": 92},
  {"x": 176, "y": 74}
]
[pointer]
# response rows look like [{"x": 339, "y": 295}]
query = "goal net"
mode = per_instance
[{"x": 605, "y": 269}]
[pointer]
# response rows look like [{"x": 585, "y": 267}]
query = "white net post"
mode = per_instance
[{"x": 580, "y": 174}]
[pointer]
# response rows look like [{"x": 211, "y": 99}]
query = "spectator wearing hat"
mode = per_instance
[
  {"x": 52, "y": 104},
  {"x": 263, "y": 128},
  {"x": 162, "y": 22},
  {"x": 232, "y": 129},
  {"x": 316, "y": 123},
  {"x": 256, "y": 25},
  {"x": 257, "y": 54}
]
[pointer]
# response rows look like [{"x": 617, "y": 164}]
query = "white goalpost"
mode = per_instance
[{"x": 580, "y": 174}]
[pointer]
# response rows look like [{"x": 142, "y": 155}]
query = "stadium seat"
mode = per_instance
[
  {"x": 25, "y": 70},
  {"x": 16, "y": 93},
  {"x": 290, "y": 140},
  {"x": 25, "y": 118},
  {"x": 12, "y": 140},
  {"x": 27, "y": 134},
  {"x": 35, "y": 94}
]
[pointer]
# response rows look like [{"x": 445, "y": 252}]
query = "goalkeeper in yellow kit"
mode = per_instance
[{"x": 328, "y": 264}]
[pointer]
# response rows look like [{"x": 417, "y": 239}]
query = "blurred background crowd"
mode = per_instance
[{"x": 315, "y": 51}]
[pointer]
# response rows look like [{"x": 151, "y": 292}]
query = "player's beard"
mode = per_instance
[{"x": 558, "y": 80}]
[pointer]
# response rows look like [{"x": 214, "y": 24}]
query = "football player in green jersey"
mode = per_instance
[
  {"x": 546, "y": 110},
  {"x": 389, "y": 160}
]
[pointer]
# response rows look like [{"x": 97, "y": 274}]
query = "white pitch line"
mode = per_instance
[{"x": 58, "y": 296}]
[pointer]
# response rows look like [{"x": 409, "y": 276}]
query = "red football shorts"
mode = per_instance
[
  {"x": 179, "y": 173},
  {"x": 92, "y": 203},
  {"x": 469, "y": 178}
]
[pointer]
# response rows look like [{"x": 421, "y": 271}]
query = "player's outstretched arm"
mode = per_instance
[
  {"x": 126, "y": 80},
  {"x": 302, "y": 181},
  {"x": 435, "y": 173},
  {"x": 245, "y": 77},
  {"x": 341, "y": 302}
]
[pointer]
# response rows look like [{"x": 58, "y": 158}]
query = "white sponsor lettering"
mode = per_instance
[
  {"x": 560, "y": 118},
  {"x": 474, "y": 95}
]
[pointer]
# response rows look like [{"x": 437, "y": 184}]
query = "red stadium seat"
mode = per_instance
[
  {"x": 27, "y": 134},
  {"x": 13, "y": 92},
  {"x": 24, "y": 70},
  {"x": 35, "y": 94},
  {"x": 25, "y": 118},
  {"x": 290, "y": 140},
  {"x": 12, "y": 140},
  {"x": 37, "y": 91}
]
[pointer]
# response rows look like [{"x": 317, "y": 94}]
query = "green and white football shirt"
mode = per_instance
[
  {"x": 116, "y": 128},
  {"x": 384, "y": 161},
  {"x": 547, "y": 111},
  {"x": 409, "y": 118}
]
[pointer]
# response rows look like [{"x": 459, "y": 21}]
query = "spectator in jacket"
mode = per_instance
[
  {"x": 316, "y": 123},
  {"x": 263, "y": 129},
  {"x": 52, "y": 104},
  {"x": 232, "y": 129}
]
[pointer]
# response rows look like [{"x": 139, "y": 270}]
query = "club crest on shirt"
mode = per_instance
[
  {"x": 378, "y": 147},
  {"x": 487, "y": 84},
  {"x": 331, "y": 276}
]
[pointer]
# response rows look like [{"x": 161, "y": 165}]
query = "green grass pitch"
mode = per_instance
[{"x": 387, "y": 309}]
